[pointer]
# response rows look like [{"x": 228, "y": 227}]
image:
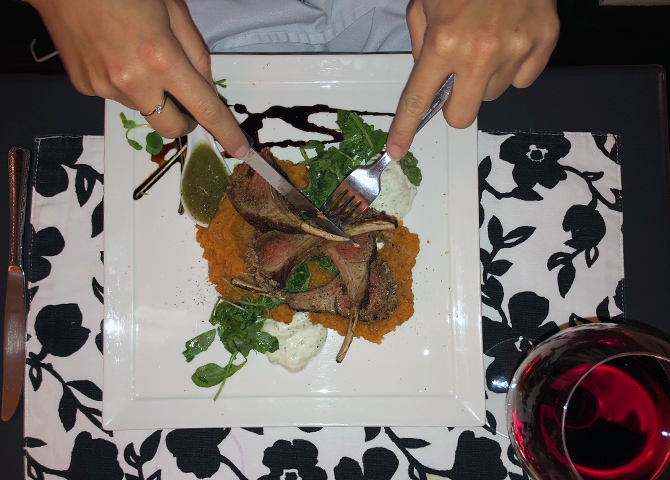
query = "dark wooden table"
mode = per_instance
[{"x": 628, "y": 101}]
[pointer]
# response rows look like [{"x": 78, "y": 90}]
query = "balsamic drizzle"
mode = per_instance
[
  {"x": 163, "y": 166},
  {"x": 296, "y": 116}
]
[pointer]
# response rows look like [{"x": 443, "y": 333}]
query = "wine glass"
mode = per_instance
[{"x": 593, "y": 402}]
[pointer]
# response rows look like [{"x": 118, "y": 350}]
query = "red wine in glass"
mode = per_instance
[
  {"x": 588, "y": 414},
  {"x": 616, "y": 419}
]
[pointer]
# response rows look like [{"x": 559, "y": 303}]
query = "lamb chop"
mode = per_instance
[
  {"x": 362, "y": 277},
  {"x": 382, "y": 298},
  {"x": 275, "y": 256},
  {"x": 263, "y": 207}
]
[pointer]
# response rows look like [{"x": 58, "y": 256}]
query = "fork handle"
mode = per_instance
[
  {"x": 376, "y": 169},
  {"x": 438, "y": 102}
]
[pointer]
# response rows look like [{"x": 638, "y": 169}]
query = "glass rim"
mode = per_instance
[{"x": 657, "y": 356}]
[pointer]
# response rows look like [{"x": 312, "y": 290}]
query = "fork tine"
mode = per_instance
[
  {"x": 347, "y": 209},
  {"x": 334, "y": 199},
  {"x": 351, "y": 214},
  {"x": 341, "y": 205}
]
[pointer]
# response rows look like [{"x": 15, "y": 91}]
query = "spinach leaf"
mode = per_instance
[
  {"x": 361, "y": 144},
  {"x": 327, "y": 264},
  {"x": 240, "y": 329},
  {"x": 240, "y": 325},
  {"x": 238, "y": 337},
  {"x": 360, "y": 140},
  {"x": 327, "y": 167},
  {"x": 409, "y": 167},
  {"x": 299, "y": 281},
  {"x": 211, "y": 374},
  {"x": 199, "y": 344}
]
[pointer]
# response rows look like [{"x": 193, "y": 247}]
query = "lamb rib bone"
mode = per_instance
[{"x": 263, "y": 207}]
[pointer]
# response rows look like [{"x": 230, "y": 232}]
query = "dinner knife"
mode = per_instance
[
  {"x": 14, "y": 357},
  {"x": 291, "y": 194}
]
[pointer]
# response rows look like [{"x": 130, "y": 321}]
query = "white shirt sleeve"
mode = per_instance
[{"x": 302, "y": 25}]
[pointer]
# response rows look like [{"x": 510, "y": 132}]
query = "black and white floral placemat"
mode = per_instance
[{"x": 551, "y": 256}]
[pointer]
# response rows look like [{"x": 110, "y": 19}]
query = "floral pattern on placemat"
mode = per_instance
[{"x": 551, "y": 256}]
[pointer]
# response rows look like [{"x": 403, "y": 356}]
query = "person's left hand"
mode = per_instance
[
  {"x": 487, "y": 44},
  {"x": 135, "y": 52}
]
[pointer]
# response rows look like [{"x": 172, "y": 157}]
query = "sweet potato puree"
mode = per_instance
[{"x": 226, "y": 238}]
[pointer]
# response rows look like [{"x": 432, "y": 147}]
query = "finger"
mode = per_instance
[
  {"x": 188, "y": 35},
  {"x": 422, "y": 85},
  {"x": 497, "y": 86},
  {"x": 416, "y": 23},
  {"x": 196, "y": 94},
  {"x": 168, "y": 121},
  {"x": 532, "y": 67},
  {"x": 528, "y": 73},
  {"x": 503, "y": 78},
  {"x": 78, "y": 76},
  {"x": 547, "y": 38},
  {"x": 466, "y": 97}
]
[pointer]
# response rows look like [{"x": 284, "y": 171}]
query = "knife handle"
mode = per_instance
[{"x": 19, "y": 168}]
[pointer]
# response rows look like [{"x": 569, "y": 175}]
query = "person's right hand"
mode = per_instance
[
  {"x": 487, "y": 44},
  {"x": 133, "y": 52}
]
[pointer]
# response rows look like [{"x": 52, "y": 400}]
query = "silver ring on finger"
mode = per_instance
[{"x": 158, "y": 109}]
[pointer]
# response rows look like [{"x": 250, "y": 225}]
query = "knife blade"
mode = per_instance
[
  {"x": 291, "y": 194},
  {"x": 14, "y": 353}
]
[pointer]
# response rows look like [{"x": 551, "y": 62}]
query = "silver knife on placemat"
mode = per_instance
[
  {"x": 291, "y": 194},
  {"x": 14, "y": 357}
]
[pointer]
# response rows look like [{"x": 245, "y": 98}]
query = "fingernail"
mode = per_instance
[
  {"x": 394, "y": 151},
  {"x": 241, "y": 152}
]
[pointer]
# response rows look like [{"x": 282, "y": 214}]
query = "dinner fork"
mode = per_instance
[{"x": 362, "y": 186}]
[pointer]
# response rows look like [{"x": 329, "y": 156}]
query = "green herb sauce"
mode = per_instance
[{"x": 203, "y": 183}]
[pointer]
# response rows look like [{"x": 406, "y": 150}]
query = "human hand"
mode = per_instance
[
  {"x": 133, "y": 52},
  {"x": 487, "y": 44}
]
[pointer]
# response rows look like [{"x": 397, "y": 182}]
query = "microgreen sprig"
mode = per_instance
[
  {"x": 222, "y": 84},
  {"x": 154, "y": 142}
]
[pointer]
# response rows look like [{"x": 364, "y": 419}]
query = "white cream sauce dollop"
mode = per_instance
[
  {"x": 299, "y": 342},
  {"x": 397, "y": 193}
]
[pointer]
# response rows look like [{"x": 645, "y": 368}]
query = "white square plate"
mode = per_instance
[{"x": 428, "y": 372}]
